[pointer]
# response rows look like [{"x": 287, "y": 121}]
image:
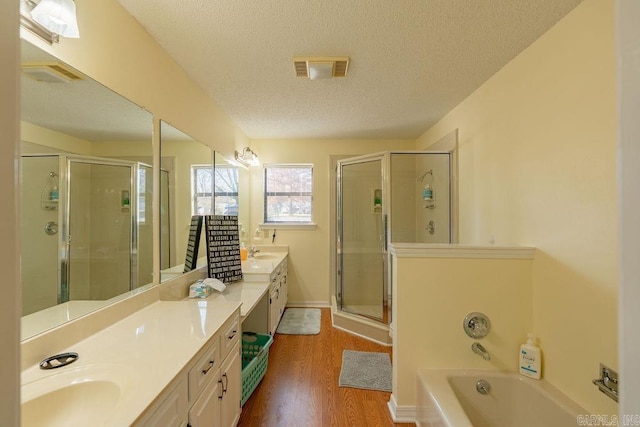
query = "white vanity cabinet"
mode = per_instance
[
  {"x": 210, "y": 389},
  {"x": 277, "y": 295}
]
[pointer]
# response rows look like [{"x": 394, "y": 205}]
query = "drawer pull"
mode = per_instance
[
  {"x": 233, "y": 334},
  {"x": 204, "y": 371},
  {"x": 221, "y": 390},
  {"x": 226, "y": 383}
]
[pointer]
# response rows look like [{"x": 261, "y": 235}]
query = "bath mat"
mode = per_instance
[
  {"x": 362, "y": 369},
  {"x": 300, "y": 321}
]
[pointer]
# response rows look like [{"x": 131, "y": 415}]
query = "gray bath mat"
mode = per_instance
[
  {"x": 300, "y": 321},
  {"x": 362, "y": 369}
]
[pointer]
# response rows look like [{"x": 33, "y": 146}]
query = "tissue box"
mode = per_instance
[{"x": 199, "y": 290}]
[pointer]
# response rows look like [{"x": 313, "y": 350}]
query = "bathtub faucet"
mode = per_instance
[{"x": 479, "y": 349}]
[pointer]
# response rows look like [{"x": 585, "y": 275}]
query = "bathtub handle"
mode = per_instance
[{"x": 476, "y": 325}]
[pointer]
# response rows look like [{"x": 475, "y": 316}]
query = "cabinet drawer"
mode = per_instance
[
  {"x": 205, "y": 369},
  {"x": 230, "y": 335}
]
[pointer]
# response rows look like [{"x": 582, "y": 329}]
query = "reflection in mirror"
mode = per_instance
[
  {"x": 232, "y": 192},
  {"x": 86, "y": 194},
  {"x": 186, "y": 189}
]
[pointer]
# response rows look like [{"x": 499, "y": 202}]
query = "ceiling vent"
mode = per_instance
[
  {"x": 317, "y": 67},
  {"x": 50, "y": 72}
]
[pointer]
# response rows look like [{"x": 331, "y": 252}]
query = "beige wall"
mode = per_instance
[
  {"x": 537, "y": 161},
  {"x": 628, "y": 34},
  {"x": 431, "y": 298},
  {"x": 50, "y": 141},
  {"x": 310, "y": 280},
  {"x": 10, "y": 248}
]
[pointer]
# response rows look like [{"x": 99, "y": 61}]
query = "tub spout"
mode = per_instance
[{"x": 479, "y": 349}]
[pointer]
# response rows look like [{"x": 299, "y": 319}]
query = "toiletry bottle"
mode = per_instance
[
  {"x": 243, "y": 252},
  {"x": 530, "y": 360},
  {"x": 427, "y": 192},
  {"x": 53, "y": 194}
]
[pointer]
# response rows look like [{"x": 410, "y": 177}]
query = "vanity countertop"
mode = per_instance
[
  {"x": 262, "y": 265},
  {"x": 141, "y": 353},
  {"x": 144, "y": 352}
]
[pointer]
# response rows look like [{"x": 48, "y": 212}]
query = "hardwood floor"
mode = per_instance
[{"x": 301, "y": 388}]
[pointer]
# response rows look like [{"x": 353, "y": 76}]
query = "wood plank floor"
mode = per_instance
[{"x": 301, "y": 388}]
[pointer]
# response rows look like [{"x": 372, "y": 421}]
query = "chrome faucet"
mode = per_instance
[
  {"x": 253, "y": 251},
  {"x": 479, "y": 349}
]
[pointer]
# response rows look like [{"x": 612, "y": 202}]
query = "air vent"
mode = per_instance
[
  {"x": 50, "y": 72},
  {"x": 305, "y": 66}
]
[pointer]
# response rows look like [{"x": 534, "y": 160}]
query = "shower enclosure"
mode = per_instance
[
  {"x": 385, "y": 198},
  {"x": 86, "y": 226}
]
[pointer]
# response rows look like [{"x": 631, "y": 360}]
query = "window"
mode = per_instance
[
  {"x": 225, "y": 182},
  {"x": 288, "y": 193},
  {"x": 143, "y": 193},
  {"x": 201, "y": 189},
  {"x": 226, "y": 194}
]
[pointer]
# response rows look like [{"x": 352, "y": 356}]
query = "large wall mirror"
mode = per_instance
[
  {"x": 186, "y": 189},
  {"x": 194, "y": 180},
  {"x": 86, "y": 194}
]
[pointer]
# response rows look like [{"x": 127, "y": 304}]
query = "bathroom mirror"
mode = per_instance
[
  {"x": 232, "y": 192},
  {"x": 186, "y": 189},
  {"x": 86, "y": 193}
]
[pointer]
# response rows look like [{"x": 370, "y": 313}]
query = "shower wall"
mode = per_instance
[
  {"x": 411, "y": 215},
  {"x": 100, "y": 226},
  {"x": 38, "y": 250}
]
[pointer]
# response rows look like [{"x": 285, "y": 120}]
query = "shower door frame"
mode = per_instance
[
  {"x": 386, "y": 217},
  {"x": 384, "y": 159},
  {"x": 65, "y": 237}
]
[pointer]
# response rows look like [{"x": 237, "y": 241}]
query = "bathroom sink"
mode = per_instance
[
  {"x": 82, "y": 403},
  {"x": 84, "y": 396},
  {"x": 265, "y": 256}
]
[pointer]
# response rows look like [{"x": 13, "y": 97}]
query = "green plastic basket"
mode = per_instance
[{"x": 255, "y": 356}]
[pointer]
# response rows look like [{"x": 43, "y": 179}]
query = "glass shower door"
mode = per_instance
[
  {"x": 361, "y": 237},
  {"x": 100, "y": 221}
]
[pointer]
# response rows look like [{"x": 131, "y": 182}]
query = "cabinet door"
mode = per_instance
[
  {"x": 171, "y": 411},
  {"x": 231, "y": 374},
  {"x": 274, "y": 311},
  {"x": 284, "y": 291},
  {"x": 206, "y": 411}
]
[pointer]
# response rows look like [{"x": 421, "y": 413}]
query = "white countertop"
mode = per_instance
[
  {"x": 248, "y": 294},
  {"x": 142, "y": 353},
  {"x": 262, "y": 265}
]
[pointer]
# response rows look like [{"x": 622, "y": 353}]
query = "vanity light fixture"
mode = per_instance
[
  {"x": 246, "y": 159},
  {"x": 27, "y": 22},
  {"x": 57, "y": 16}
]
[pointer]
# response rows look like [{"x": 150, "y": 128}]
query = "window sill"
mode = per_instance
[{"x": 289, "y": 225}]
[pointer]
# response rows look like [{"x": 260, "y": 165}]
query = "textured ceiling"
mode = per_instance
[
  {"x": 412, "y": 61},
  {"x": 83, "y": 108}
]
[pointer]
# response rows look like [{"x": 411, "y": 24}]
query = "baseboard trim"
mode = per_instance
[
  {"x": 309, "y": 304},
  {"x": 401, "y": 414}
]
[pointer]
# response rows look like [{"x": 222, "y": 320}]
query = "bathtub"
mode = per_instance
[{"x": 448, "y": 398}]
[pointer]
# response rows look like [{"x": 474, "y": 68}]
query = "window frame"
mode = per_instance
[
  {"x": 292, "y": 224},
  {"x": 234, "y": 194},
  {"x": 194, "y": 195}
]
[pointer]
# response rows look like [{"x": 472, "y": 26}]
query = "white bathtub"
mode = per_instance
[{"x": 448, "y": 398}]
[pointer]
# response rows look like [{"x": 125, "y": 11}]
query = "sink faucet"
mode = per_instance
[
  {"x": 479, "y": 349},
  {"x": 253, "y": 251}
]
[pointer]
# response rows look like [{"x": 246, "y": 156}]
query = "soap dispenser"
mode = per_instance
[
  {"x": 243, "y": 252},
  {"x": 530, "y": 358}
]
